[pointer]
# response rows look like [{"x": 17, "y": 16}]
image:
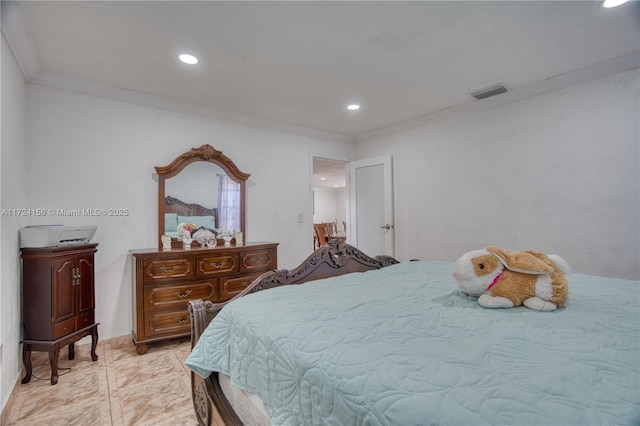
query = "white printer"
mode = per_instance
[{"x": 55, "y": 235}]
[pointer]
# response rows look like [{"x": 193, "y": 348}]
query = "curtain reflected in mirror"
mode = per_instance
[{"x": 228, "y": 203}]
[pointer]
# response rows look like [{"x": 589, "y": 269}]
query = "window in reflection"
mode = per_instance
[{"x": 228, "y": 203}]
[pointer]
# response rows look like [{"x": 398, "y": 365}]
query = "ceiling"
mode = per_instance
[
  {"x": 295, "y": 65},
  {"x": 328, "y": 173}
]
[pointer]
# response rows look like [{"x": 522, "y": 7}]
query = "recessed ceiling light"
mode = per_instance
[
  {"x": 353, "y": 107},
  {"x": 188, "y": 59},
  {"x": 323, "y": 178},
  {"x": 613, "y": 3},
  {"x": 489, "y": 91}
]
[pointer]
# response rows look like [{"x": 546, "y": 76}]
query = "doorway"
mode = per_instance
[
  {"x": 330, "y": 197},
  {"x": 357, "y": 199}
]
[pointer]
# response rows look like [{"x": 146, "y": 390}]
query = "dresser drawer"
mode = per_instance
[
  {"x": 165, "y": 281},
  {"x": 175, "y": 322},
  {"x": 208, "y": 265},
  {"x": 258, "y": 260},
  {"x": 63, "y": 328},
  {"x": 178, "y": 295},
  {"x": 231, "y": 286},
  {"x": 168, "y": 269},
  {"x": 85, "y": 320}
]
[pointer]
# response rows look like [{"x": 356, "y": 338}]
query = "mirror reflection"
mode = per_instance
[
  {"x": 215, "y": 205},
  {"x": 200, "y": 190}
]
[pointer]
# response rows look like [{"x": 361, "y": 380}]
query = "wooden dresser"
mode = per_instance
[
  {"x": 58, "y": 302},
  {"x": 165, "y": 281}
]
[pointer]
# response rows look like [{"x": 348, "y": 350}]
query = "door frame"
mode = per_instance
[{"x": 333, "y": 157}]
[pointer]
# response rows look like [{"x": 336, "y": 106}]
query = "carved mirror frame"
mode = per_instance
[{"x": 204, "y": 153}]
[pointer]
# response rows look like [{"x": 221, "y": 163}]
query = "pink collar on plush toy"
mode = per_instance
[{"x": 496, "y": 279}]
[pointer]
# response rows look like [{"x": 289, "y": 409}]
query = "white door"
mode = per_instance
[{"x": 371, "y": 206}]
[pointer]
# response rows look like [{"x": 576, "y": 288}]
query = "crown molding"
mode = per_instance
[
  {"x": 129, "y": 96},
  {"x": 582, "y": 75},
  {"x": 13, "y": 31},
  {"x": 18, "y": 41}
]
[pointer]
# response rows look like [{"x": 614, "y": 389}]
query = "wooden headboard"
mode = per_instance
[{"x": 173, "y": 205}]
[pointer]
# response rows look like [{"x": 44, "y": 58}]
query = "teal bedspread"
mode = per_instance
[{"x": 402, "y": 346}]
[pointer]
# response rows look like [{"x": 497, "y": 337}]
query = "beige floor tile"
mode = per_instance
[
  {"x": 184, "y": 418},
  {"x": 170, "y": 395},
  {"x": 86, "y": 412},
  {"x": 143, "y": 369},
  {"x": 121, "y": 388}
]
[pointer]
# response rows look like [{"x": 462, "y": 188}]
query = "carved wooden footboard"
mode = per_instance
[{"x": 328, "y": 261}]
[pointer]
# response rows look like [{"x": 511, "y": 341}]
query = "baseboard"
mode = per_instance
[{"x": 4, "y": 417}]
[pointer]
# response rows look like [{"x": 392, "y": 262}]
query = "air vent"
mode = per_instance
[{"x": 489, "y": 91}]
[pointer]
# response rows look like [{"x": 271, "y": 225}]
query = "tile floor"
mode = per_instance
[{"x": 120, "y": 388}]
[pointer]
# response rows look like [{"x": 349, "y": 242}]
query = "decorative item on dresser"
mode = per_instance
[
  {"x": 58, "y": 302},
  {"x": 165, "y": 281}
]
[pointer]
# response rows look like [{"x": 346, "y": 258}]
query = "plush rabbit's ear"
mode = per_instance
[{"x": 520, "y": 261}]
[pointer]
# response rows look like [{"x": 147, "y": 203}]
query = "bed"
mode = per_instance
[
  {"x": 177, "y": 211},
  {"x": 374, "y": 341}
]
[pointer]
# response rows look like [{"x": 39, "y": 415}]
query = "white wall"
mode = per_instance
[
  {"x": 88, "y": 152},
  {"x": 12, "y": 196},
  {"x": 182, "y": 186},
  {"x": 556, "y": 172},
  {"x": 329, "y": 205}
]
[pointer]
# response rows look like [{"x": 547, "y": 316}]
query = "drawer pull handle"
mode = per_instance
[
  {"x": 218, "y": 265},
  {"x": 182, "y": 320},
  {"x": 258, "y": 260},
  {"x": 185, "y": 294},
  {"x": 167, "y": 270}
]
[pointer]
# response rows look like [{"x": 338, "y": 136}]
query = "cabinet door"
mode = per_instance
[
  {"x": 63, "y": 305},
  {"x": 84, "y": 284}
]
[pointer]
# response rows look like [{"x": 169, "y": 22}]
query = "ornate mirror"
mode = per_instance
[{"x": 202, "y": 187}]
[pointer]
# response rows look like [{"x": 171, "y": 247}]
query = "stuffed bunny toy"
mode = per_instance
[{"x": 504, "y": 279}]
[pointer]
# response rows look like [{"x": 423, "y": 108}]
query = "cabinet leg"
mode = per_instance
[
  {"x": 72, "y": 351},
  {"x": 54, "y": 353},
  {"x": 26, "y": 360},
  {"x": 141, "y": 348},
  {"x": 94, "y": 343}
]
